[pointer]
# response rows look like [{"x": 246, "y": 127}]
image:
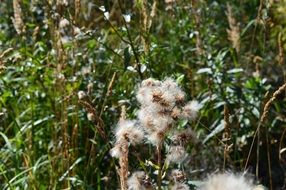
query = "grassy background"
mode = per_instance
[{"x": 229, "y": 55}]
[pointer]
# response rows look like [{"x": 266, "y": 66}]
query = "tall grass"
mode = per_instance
[{"x": 68, "y": 67}]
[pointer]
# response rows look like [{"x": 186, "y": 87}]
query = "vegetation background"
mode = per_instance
[{"x": 229, "y": 55}]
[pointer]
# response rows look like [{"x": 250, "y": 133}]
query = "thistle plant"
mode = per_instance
[
  {"x": 162, "y": 105},
  {"x": 229, "y": 181}
]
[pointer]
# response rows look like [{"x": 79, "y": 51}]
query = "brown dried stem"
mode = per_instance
[
  {"x": 269, "y": 102},
  {"x": 123, "y": 162},
  {"x": 17, "y": 20},
  {"x": 262, "y": 119}
]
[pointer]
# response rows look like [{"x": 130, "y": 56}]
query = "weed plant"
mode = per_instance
[{"x": 69, "y": 68}]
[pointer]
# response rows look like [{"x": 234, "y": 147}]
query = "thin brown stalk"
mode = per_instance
[
  {"x": 143, "y": 24},
  {"x": 98, "y": 122},
  {"x": 269, "y": 161},
  {"x": 5, "y": 52},
  {"x": 261, "y": 121},
  {"x": 108, "y": 93},
  {"x": 123, "y": 162},
  {"x": 257, "y": 152},
  {"x": 281, "y": 54},
  {"x": 123, "y": 113},
  {"x": 2, "y": 63},
  {"x": 226, "y": 122},
  {"x": 281, "y": 49},
  {"x": 152, "y": 13},
  {"x": 269, "y": 102},
  {"x": 146, "y": 21}
]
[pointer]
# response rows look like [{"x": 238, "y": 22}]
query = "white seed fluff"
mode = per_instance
[
  {"x": 227, "y": 181},
  {"x": 177, "y": 154},
  {"x": 190, "y": 111},
  {"x": 81, "y": 95},
  {"x": 180, "y": 186},
  {"x": 127, "y": 129}
]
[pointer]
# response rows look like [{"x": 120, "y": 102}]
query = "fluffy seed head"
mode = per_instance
[
  {"x": 178, "y": 176},
  {"x": 146, "y": 119},
  {"x": 179, "y": 96},
  {"x": 184, "y": 136},
  {"x": 115, "y": 151},
  {"x": 128, "y": 130},
  {"x": 167, "y": 99},
  {"x": 144, "y": 93},
  {"x": 227, "y": 181},
  {"x": 190, "y": 111},
  {"x": 156, "y": 138},
  {"x": 150, "y": 82},
  {"x": 138, "y": 181},
  {"x": 169, "y": 84},
  {"x": 161, "y": 106},
  {"x": 180, "y": 186},
  {"x": 177, "y": 154},
  {"x": 176, "y": 112},
  {"x": 162, "y": 122}
]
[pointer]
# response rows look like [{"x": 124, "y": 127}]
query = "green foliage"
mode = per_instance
[{"x": 46, "y": 140}]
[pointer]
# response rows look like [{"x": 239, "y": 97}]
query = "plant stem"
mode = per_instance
[
  {"x": 159, "y": 179},
  {"x": 123, "y": 162}
]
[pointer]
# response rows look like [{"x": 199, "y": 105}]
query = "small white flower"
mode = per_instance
[
  {"x": 102, "y": 8},
  {"x": 127, "y": 18},
  {"x": 106, "y": 15}
]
